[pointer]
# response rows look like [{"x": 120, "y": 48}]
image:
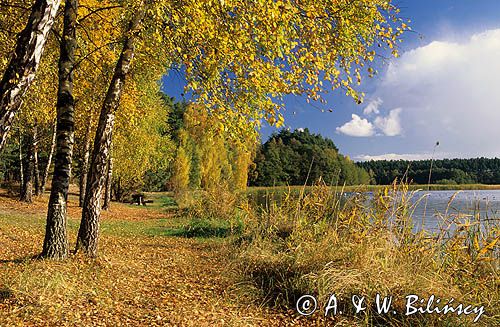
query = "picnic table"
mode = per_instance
[{"x": 139, "y": 199}]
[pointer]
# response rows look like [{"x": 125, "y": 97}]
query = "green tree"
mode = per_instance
[{"x": 299, "y": 157}]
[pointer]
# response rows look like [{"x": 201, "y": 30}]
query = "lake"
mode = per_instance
[
  {"x": 431, "y": 209},
  {"x": 485, "y": 203}
]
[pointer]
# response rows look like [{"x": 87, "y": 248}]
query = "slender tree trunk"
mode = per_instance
[
  {"x": 49, "y": 159},
  {"x": 21, "y": 165},
  {"x": 55, "y": 244},
  {"x": 85, "y": 165},
  {"x": 24, "y": 62},
  {"x": 36, "y": 167},
  {"x": 88, "y": 234},
  {"x": 27, "y": 187},
  {"x": 117, "y": 190},
  {"x": 107, "y": 193}
]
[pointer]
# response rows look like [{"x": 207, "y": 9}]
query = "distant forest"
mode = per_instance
[
  {"x": 299, "y": 157},
  {"x": 444, "y": 171}
]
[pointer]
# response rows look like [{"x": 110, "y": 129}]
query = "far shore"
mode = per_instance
[{"x": 371, "y": 188}]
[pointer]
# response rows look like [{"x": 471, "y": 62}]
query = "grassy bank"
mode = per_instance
[
  {"x": 320, "y": 245},
  {"x": 141, "y": 277}
]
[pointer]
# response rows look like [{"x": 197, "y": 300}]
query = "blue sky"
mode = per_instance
[{"x": 444, "y": 87}]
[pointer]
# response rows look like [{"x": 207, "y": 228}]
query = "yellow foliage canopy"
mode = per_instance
[
  {"x": 217, "y": 159},
  {"x": 241, "y": 57}
]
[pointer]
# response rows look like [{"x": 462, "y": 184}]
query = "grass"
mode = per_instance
[
  {"x": 141, "y": 278},
  {"x": 317, "y": 243},
  {"x": 208, "y": 215},
  {"x": 162, "y": 201},
  {"x": 220, "y": 262}
]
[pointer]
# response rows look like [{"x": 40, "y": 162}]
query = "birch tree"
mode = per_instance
[
  {"x": 88, "y": 233},
  {"x": 24, "y": 62},
  {"x": 56, "y": 243}
]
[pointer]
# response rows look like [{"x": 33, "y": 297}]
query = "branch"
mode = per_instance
[
  {"x": 15, "y": 6},
  {"x": 56, "y": 34},
  {"x": 94, "y": 51},
  {"x": 92, "y": 12}
]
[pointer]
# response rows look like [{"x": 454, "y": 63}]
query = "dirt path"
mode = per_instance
[
  {"x": 138, "y": 280},
  {"x": 179, "y": 282}
]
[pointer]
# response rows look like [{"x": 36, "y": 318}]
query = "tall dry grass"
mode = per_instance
[{"x": 323, "y": 242}]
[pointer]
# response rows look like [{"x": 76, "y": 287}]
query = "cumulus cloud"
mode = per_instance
[
  {"x": 357, "y": 127},
  {"x": 448, "y": 91},
  {"x": 390, "y": 125},
  {"x": 373, "y": 106}
]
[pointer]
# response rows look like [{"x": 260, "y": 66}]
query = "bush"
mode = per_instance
[
  {"x": 214, "y": 213},
  {"x": 208, "y": 228},
  {"x": 446, "y": 182}
]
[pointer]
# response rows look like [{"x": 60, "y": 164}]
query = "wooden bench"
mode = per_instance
[{"x": 138, "y": 199}]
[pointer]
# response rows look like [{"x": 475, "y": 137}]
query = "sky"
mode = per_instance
[{"x": 444, "y": 87}]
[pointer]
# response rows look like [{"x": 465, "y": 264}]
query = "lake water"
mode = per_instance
[
  {"x": 484, "y": 204},
  {"x": 435, "y": 205}
]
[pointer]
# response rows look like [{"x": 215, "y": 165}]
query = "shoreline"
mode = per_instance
[{"x": 371, "y": 188}]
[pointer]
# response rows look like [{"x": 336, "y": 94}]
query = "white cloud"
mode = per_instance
[
  {"x": 449, "y": 92},
  {"x": 390, "y": 125},
  {"x": 373, "y": 106},
  {"x": 361, "y": 127},
  {"x": 402, "y": 156},
  {"x": 357, "y": 127}
]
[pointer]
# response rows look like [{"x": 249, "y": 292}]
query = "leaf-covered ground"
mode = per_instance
[{"x": 140, "y": 278}]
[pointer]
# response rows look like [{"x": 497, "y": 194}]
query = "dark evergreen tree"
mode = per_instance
[{"x": 300, "y": 157}]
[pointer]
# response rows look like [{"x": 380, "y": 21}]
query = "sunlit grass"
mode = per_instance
[
  {"x": 310, "y": 243},
  {"x": 317, "y": 242}
]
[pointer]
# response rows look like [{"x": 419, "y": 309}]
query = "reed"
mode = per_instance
[{"x": 325, "y": 242}]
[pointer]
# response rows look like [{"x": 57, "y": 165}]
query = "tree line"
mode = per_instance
[{"x": 444, "y": 171}]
